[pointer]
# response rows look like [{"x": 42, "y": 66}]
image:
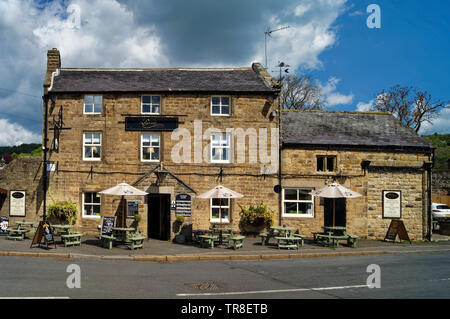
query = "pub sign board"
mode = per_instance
[
  {"x": 17, "y": 203},
  {"x": 183, "y": 205},
  {"x": 392, "y": 204},
  {"x": 151, "y": 123},
  {"x": 107, "y": 225},
  {"x": 4, "y": 222}
]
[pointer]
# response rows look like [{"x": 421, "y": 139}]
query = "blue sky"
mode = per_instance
[{"x": 328, "y": 38}]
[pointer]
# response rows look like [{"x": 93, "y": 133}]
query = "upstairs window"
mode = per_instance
[
  {"x": 220, "y": 105},
  {"x": 93, "y": 104},
  {"x": 150, "y": 146},
  {"x": 92, "y": 146},
  {"x": 326, "y": 163},
  {"x": 151, "y": 104},
  {"x": 220, "y": 148}
]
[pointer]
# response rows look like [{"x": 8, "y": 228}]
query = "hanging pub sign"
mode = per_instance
[
  {"x": 4, "y": 222},
  {"x": 17, "y": 203},
  {"x": 183, "y": 205},
  {"x": 392, "y": 204},
  {"x": 150, "y": 123}
]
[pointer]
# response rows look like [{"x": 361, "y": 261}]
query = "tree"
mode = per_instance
[
  {"x": 410, "y": 105},
  {"x": 301, "y": 92}
]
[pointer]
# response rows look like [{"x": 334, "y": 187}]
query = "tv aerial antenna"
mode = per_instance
[{"x": 268, "y": 32}]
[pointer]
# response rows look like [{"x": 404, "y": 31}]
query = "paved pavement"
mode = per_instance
[{"x": 161, "y": 251}]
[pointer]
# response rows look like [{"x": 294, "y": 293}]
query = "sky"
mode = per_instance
[{"x": 328, "y": 38}]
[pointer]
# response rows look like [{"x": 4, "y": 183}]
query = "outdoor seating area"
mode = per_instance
[
  {"x": 68, "y": 237},
  {"x": 126, "y": 236},
  {"x": 284, "y": 236},
  {"x": 332, "y": 235},
  {"x": 21, "y": 230}
]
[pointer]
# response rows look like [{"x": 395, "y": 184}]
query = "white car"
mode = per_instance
[{"x": 440, "y": 210}]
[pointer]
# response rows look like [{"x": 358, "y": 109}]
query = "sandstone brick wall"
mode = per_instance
[{"x": 387, "y": 171}]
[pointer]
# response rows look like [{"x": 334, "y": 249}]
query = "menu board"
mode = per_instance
[
  {"x": 183, "y": 205},
  {"x": 4, "y": 222},
  {"x": 397, "y": 228},
  {"x": 44, "y": 231},
  {"x": 392, "y": 204},
  {"x": 132, "y": 208},
  {"x": 17, "y": 203},
  {"x": 107, "y": 225}
]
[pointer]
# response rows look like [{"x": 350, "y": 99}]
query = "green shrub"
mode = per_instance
[
  {"x": 179, "y": 219},
  {"x": 257, "y": 215},
  {"x": 63, "y": 212}
]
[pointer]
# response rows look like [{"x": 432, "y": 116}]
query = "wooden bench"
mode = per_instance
[
  {"x": 265, "y": 237},
  {"x": 107, "y": 241},
  {"x": 136, "y": 241},
  {"x": 16, "y": 234},
  {"x": 71, "y": 239},
  {"x": 302, "y": 239},
  {"x": 207, "y": 241},
  {"x": 288, "y": 242},
  {"x": 333, "y": 240},
  {"x": 236, "y": 241}
]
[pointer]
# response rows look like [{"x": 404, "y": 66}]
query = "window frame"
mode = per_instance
[
  {"x": 297, "y": 215},
  {"x": 325, "y": 163},
  {"x": 93, "y": 104},
  {"x": 84, "y": 145},
  {"x": 228, "y": 136},
  {"x": 218, "y": 220},
  {"x": 151, "y": 104},
  {"x": 83, "y": 202},
  {"x": 142, "y": 147},
  {"x": 220, "y": 105}
]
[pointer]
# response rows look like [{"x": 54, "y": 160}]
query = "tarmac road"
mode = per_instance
[{"x": 416, "y": 275}]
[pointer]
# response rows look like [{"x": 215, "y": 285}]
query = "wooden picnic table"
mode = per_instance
[
  {"x": 274, "y": 232},
  {"x": 288, "y": 241},
  {"x": 68, "y": 237},
  {"x": 207, "y": 241},
  {"x": 62, "y": 229},
  {"x": 26, "y": 226},
  {"x": 220, "y": 232},
  {"x": 16, "y": 234},
  {"x": 123, "y": 233}
]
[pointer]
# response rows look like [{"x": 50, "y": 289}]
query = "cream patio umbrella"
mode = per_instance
[
  {"x": 123, "y": 189},
  {"x": 335, "y": 190},
  {"x": 220, "y": 192}
]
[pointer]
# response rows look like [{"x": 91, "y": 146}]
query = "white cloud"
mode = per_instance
[
  {"x": 364, "y": 107},
  {"x": 310, "y": 33},
  {"x": 441, "y": 124},
  {"x": 15, "y": 134},
  {"x": 332, "y": 97}
]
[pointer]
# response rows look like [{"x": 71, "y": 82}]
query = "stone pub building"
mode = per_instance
[{"x": 178, "y": 132}]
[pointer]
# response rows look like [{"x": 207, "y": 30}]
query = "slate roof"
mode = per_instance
[
  {"x": 160, "y": 80},
  {"x": 353, "y": 129}
]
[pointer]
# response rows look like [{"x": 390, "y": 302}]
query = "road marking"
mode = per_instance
[
  {"x": 34, "y": 297},
  {"x": 269, "y": 291}
]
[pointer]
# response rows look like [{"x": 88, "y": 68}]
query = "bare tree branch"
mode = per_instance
[
  {"x": 410, "y": 105},
  {"x": 301, "y": 92}
]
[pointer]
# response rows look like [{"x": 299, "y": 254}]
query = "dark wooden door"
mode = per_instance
[
  {"x": 159, "y": 216},
  {"x": 340, "y": 217}
]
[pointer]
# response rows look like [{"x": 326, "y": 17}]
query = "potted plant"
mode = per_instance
[
  {"x": 255, "y": 218},
  {"x": 62, "y": 212}
]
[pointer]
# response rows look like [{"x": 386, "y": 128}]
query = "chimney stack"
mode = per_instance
[{"x": 53, "y": 63}]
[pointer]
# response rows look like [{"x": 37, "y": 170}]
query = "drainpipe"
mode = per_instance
[
  {"x": 428, "y": 167},
  {"x": 280, "y": 208},
  {"x": 46, "y": 98}
]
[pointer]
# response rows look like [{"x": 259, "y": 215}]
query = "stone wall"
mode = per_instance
[
  {"x": 387, "y": 171},
  {"x": 23, "y": 174}
]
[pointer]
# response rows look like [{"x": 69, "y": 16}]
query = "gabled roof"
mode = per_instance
[
  {"x": 161, "y": 80},
  {"x": 352, "y": 129}
]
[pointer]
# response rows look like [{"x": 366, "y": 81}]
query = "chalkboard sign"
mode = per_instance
[
  {"x": 4, "y": 222},
  {"x": 107, "y": 225},
  {"x": 397, "y": 228},
  {"x": 44, "y": 231},
  {"x": 183, "y": 205}
]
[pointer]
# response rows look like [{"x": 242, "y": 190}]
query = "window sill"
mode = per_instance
[
  {"x": 297, "y": 216},
  {"x": 91, "y": 217},
  {"x": 220, "y": 115},
  {"x": 217, "y": 221}
]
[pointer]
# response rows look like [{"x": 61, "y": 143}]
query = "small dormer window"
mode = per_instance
[{"x": 220, "y": 105}]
